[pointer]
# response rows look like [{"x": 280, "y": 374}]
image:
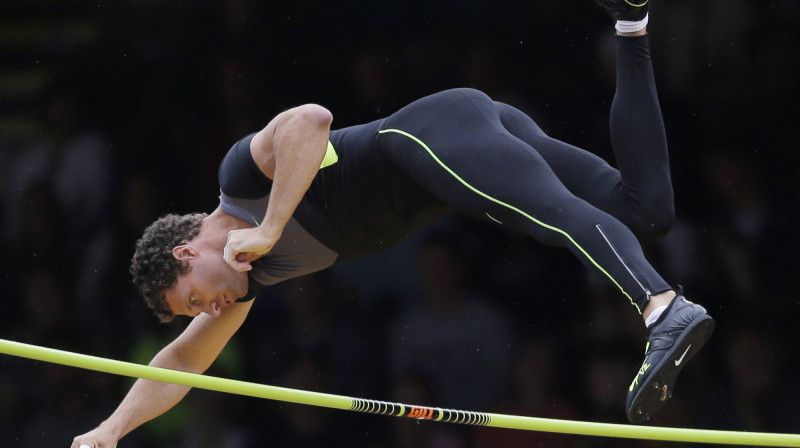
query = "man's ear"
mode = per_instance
[{"x": 184, "y": 252}]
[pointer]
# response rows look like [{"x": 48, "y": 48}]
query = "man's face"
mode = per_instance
[{"x": 208, "y": 287}]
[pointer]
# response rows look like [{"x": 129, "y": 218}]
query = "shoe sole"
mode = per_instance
[{"x": 657, "y": 389}]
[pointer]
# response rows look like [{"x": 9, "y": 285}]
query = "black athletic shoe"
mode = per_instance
[
  {"x": 675, "y": 337},
  {"x": 627, "y": 10}
]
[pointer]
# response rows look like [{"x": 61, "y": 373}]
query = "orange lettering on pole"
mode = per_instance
[{"x": 425, "y": 413}]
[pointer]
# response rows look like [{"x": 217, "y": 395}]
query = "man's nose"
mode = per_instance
[{"x": 212, "y": 309}]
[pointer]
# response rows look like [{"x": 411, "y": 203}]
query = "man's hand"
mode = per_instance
[
  {"x": 96, "y": 438},
  {"x": 245, "y": 246}
]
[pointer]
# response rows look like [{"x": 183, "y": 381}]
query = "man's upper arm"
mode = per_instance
[{"x": 293, "y": 124}]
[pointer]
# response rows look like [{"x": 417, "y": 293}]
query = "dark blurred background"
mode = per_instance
[{"x": 112, "y": 114}]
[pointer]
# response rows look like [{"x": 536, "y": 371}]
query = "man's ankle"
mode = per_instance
[
  {"x": 657, "y": 300},
  {"x": 641, "y": 32}
]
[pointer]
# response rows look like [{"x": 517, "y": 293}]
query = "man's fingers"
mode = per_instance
[
  {"x": 245, "y": 266},
  {"x": 241, "y": 266},
  {"x": 226, "y": 255},
  {"x": 237, "y": 260},
  {"x": 229, "y": 254},
  {"x": 240, "y": 250}
]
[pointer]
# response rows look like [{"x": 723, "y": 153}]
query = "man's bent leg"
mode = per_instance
[{"x": 640, "y": 193}]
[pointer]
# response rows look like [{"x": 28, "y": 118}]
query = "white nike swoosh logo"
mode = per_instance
[{"x": 680, "y": 360}]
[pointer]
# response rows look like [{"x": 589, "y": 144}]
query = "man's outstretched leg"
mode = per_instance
[
  {"x": 475, "y": 163},
  {"x": 678, "y": 328}
]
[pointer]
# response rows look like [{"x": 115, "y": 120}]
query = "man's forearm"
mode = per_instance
[{"x": 147, "y": 399}]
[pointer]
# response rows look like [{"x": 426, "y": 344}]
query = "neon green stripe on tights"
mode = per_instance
[{"x": 511, "y": 207}]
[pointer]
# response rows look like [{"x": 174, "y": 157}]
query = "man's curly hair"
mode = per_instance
[{"x": 153, "y": 266}]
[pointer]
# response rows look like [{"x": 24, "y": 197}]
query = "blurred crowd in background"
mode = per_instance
[{"x": 114, "y": 114}]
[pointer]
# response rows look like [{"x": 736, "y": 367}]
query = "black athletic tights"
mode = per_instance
[{"x": 489, "y": 159}]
